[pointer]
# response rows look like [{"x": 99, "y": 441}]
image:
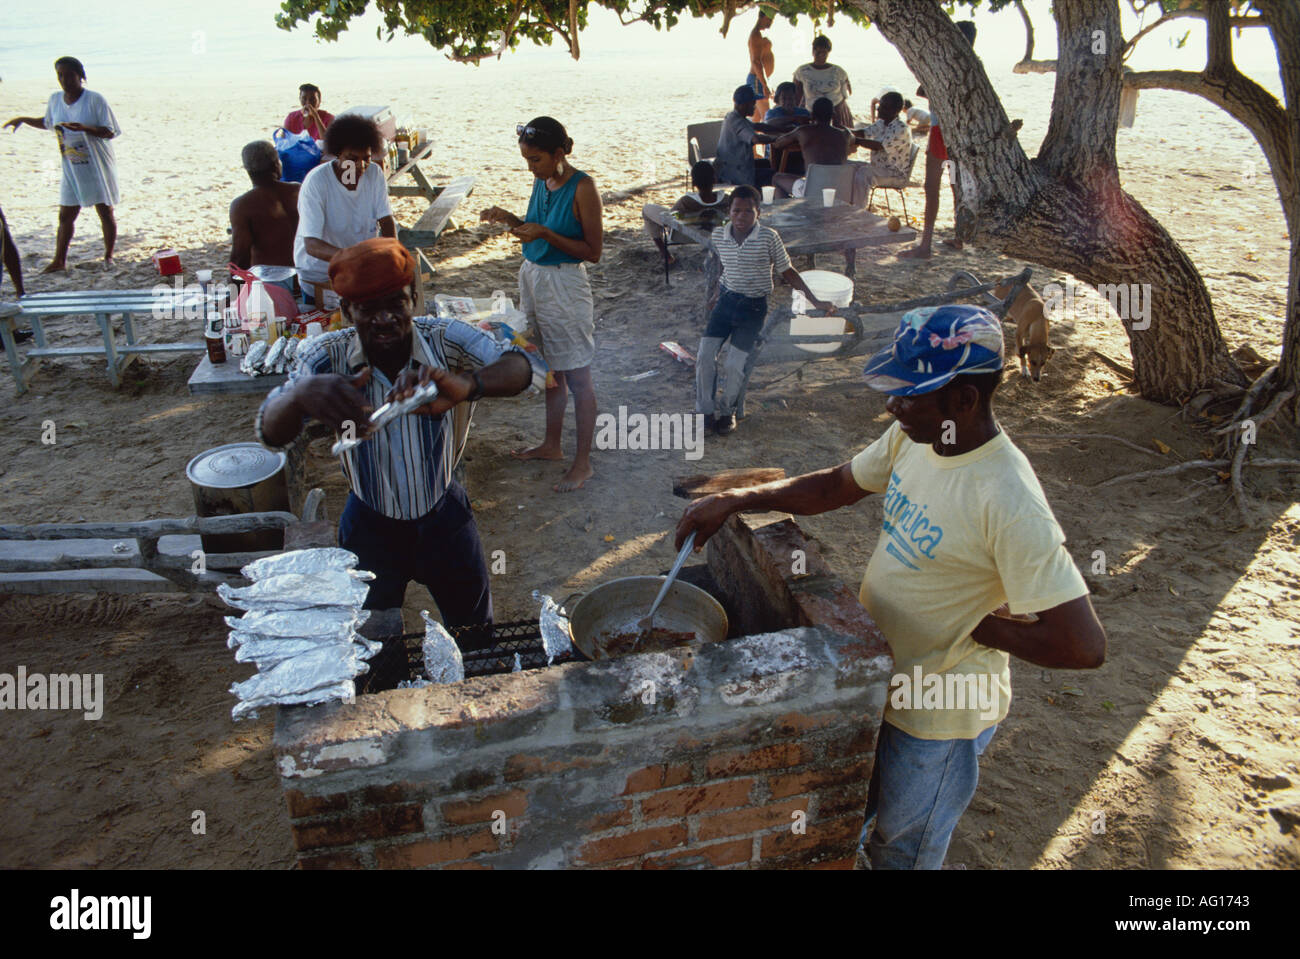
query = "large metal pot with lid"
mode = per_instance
[{"x": 239, "y": 478}]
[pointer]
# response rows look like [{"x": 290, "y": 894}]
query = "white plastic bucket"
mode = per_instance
[{"x": 834, "y": 288}]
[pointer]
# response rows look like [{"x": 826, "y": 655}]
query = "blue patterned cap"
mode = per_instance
[{"x": 932, "y": 345}]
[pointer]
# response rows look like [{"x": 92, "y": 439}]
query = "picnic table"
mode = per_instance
[
  {"x": 806, "y": 227},
  {"x": 224, "y": 378},
  {"x": 412, "y": 169},
  {"x": 103, "y": 305},
  {"x": 429, "y": 227}
]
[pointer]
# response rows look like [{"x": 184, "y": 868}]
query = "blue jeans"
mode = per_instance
[
  {"x": 919, "y": 790},
  {"x": 739, "y": 319},
  {"x": 440, "y": 550}
]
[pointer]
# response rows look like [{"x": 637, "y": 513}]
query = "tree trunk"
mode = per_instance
[
  {"x": 1283, "y": 17},
  {"x": 1064, "y": 209}
]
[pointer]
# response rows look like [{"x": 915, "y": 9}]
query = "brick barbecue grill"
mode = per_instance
[{"x": 751, "y": 753}]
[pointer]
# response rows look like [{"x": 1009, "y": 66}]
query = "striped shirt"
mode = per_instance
[
  {"x": 403, "y": 470},
  {"x": 747, "y": 267}
]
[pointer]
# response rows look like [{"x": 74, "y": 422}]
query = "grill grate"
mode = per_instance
[{"x": 403, "y": 656}]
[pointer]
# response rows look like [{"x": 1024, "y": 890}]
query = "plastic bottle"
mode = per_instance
[{"x": 261, "y": 310}]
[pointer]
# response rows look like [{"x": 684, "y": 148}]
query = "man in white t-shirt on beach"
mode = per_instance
[
  {"x": 340, "y": 204},
  {"x": 84, "y": 124},
  {"x": 968, "y": 549}
]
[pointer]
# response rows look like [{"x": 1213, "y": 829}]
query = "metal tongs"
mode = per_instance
[{"x": 387, "y": 413}]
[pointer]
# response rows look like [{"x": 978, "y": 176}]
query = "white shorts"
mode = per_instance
[{"x": 557, "y": 301}]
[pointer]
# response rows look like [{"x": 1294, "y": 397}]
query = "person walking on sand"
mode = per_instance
[
  {"x": 748, "y": 251},
  {"x": 84, "y": 124},
  {"x": 762, "y": 64},
  {"x": 561, "y": 233}
]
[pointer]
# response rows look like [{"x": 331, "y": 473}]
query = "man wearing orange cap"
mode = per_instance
[{"x": 406, "y": 517}]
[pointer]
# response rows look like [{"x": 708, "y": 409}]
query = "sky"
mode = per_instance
[{"x": 209, "y": 40}]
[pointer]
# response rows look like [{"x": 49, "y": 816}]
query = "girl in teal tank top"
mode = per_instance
[
  {"x": 561, "y": 233},
  {"x": 553, "y": 209}
]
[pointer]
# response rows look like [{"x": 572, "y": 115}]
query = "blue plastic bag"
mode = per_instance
[{"x": 299, "y": 154}]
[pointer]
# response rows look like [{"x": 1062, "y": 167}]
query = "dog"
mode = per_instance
[{"x": 1031, "y": 330}]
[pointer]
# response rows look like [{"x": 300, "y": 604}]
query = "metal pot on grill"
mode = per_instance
[{"x": 612, "y": 606}]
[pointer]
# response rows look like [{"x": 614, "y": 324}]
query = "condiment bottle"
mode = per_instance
[{"x": 215, "y": 338}]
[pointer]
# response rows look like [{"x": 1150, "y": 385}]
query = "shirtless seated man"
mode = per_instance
[
  {"x": 821, "y": 142},
  {"x": 265, "y": 219}
]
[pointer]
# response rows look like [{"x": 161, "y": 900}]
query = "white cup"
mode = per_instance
[
  {"x": 828, "y": 197},
  {"x": 204, "y": 276},
  {"x": 769, "y": 195},
  {"x": 315, "y": 329}
]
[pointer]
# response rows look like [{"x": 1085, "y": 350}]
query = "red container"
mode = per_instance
[{"x": 167, "y": 262}]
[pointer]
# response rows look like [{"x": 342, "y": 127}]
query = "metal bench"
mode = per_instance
[
  {"x": 103, "y": 305},
  {"x": 869, "y": 327}
]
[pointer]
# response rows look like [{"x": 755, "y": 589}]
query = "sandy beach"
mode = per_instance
[{"x": 1185, "y": 738}]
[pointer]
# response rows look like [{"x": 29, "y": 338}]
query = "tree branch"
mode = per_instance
[
  {"x": 1176, "y": 15},
  {"x": 1218, "y": 43},
  {"x": 1028, "y": 64}
]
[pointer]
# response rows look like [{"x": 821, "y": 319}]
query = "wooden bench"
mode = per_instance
[{"x": 429, "y": 227}]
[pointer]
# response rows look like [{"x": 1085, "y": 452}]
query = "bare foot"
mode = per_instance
[
  {"x": 916, "y": 253},
  {"x": 953, "y": 244},
  {"x": 542, "y": 452},
  {"x": 109, "y": 264},
  {"x": 574, "y": 479},
  {"x": 55, "y": 267}
]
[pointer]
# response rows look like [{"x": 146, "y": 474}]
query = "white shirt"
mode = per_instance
[
  {"x": 896, "y": 139},
  {"x": 89, "y": 164},
  {"x": 329, "y": 211}
]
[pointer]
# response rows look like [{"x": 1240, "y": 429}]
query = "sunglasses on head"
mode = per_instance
[{"x": 523, "y": 131}]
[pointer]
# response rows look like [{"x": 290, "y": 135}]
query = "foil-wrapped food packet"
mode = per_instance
[
  {"x": 251, "y": 364},
  {"x": 248, "y": 709},
  {"x": 326, "y": 664},
  {"x": 271, "y": 361},
  {"x": 318, "y": 622},
  {"x": 334, "y": 587},
  {"x": 265, "y": 652},
  {"x": 305, "y": 561},
  {"x": 442, "y": 659},
  {"x": 554, "y": 627}
]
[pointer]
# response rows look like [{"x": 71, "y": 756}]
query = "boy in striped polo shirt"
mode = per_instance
[{"x": 748, "y": 251}]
